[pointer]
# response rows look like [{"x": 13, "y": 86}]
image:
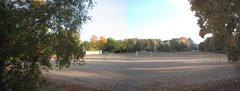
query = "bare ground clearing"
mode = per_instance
[{"x": 128, "y": 72}]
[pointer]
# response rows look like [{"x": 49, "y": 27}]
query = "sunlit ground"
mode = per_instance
[{"x": 146, "y": 71}]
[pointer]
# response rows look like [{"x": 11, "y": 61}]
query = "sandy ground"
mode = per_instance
[{"x": 128, "y": 72}]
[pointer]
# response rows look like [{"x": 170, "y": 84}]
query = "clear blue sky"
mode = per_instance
[{"x": 161, "y": 19}]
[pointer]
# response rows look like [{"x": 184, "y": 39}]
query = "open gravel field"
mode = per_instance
[{"x": 128, "y": 72}]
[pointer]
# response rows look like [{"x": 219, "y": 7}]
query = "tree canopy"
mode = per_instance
[
  {"x": 32, "y": 31},
  {"x": 220, "y": 18}
]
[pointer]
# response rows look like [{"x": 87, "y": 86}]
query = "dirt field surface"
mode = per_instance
[{"x": 146, "y": 71}]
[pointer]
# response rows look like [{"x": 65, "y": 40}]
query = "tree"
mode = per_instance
[
  {"x": 102, "y": 42},
  {"x": 87, "y": 45},
  {"x": 112, "y": 45},
  {"x": 177, "y": 45},
  {"x": 122, "y": 47},
  {"x": 213, "y": 44},
  {"x": 174, "y": 44},
  {"x": 220, "y": 17},
  {"x": 207, "y": 45},
  {"x": 140, "y": 45},
  {"x": 34, "y": 30},
  {"x": 164, "y": 48},
  {"x": 218, "y": 43},
  {"x": 94, "y": 42},
  {"x": 155, "y": 44},
  {"x": 131, "y": 45}
]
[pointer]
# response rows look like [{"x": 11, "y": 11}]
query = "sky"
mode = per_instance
[{"x": 152, "y": 19}]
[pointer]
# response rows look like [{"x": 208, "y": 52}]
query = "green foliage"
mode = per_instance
[
  {"x": 130, "y": 45},
  {"x": 213, "y": 44},
  {"x": 206, "y": 45},
  {"x": 133, "y": 45},
  {"x": 164, "y": 48},
  {"x": 87, "y": 45},
  {"x": 176, "y": 45},
  {"x": 122, "y": 47},
  {"x": 112, "y": 45},
  {"x": 220, "y": 18},
  {"x": 34, "y": 30}
]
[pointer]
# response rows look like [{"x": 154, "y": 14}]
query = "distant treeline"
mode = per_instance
[
  {"x": 134, "y": 44},
  {"x": 215, "y": 43}
]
